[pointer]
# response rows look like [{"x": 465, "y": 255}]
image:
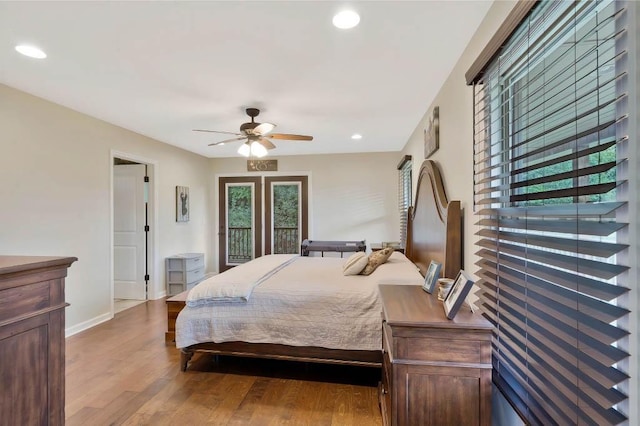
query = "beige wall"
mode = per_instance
[
  {"x": 55, "y": 172},
  {"x": 352, "y": 196},
  {"x": 455, "y": 159},
  {"x": 455, "y": 154}
]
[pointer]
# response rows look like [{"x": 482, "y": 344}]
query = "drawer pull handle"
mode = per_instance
[{"x": 384, "y": 391}]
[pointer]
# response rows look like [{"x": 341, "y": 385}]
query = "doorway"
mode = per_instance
[
  {"x": 131, "y": 225},
  {"x": 244, "y": 224}
]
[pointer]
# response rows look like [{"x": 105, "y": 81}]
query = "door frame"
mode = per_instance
[
  {"x": 262, "y": 175},
  {"x": 153, "y": 290}
]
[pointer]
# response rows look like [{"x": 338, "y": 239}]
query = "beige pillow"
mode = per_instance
[
  {"x": 376, "y": 259},
  {"x": 355, "y": 263}
]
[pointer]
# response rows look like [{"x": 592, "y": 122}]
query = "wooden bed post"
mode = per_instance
[{"x": 185, "y": 356}]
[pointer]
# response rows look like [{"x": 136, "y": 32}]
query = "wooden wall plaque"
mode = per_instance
[{"x": 262, "y": 165}]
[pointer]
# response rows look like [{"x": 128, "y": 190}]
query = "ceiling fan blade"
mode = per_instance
[
  {"x": 227, "y": 140},
  {"x": 290, "y": 137},
  {"x": 217, "y": 131},
  {"x": 263, "y": 129},
  {"x": 266, "y": 143}
]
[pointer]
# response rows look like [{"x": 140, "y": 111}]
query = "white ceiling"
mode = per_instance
[{"x": 164, "y": 68}]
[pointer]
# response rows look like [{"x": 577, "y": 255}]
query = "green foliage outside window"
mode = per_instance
[
  {"x": 285, "y": 206},
  {"x": 605, "y": 156},
  {"x": 239, "y": 206}
]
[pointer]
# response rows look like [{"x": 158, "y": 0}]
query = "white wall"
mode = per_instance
[
  {"x": 55, "y": 172},
  {"x": 352, "y": 196},
  {"x": 455, "y": 159}
]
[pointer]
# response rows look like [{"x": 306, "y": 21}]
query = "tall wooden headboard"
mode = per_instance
[{"x": 434, "y": 227}]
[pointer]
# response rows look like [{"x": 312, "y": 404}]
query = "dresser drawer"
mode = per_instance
[
  {"x": 445, "y": 350},
  {"x": 195, "y": 275},
  {"x": 18, "y": 301},
  {"x": 194, "y": 263}
]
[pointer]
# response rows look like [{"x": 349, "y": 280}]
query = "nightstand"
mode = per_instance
[{"x": 435, "y": 371}]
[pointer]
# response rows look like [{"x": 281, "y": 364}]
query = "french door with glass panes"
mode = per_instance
[
  {"x": 286, "y": 219},
  {"x": 242, "y": 224}
]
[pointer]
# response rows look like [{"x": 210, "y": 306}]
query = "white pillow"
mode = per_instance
[{"x": 355, "y": 263}]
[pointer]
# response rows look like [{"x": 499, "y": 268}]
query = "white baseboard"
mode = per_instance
[
  {"x": 70, "y": 331},
  {"x": 159, "y": 295}
]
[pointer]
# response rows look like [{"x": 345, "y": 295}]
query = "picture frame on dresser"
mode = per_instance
[
  {"x": 431, "y": 277},
  {"x": 459, "y": 290}
]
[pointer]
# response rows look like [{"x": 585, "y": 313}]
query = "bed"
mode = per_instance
[{"x": 304, "y": 309}]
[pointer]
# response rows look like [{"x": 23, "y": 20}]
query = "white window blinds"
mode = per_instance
[{"x": 404, "y": 195}]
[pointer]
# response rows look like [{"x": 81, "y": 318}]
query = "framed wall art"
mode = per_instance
[
  {"x": 432, "y": 133},
  {"x": 182, "y": 204}
]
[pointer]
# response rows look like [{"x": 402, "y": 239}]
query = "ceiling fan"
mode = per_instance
[{"x": 256, "y": 136}]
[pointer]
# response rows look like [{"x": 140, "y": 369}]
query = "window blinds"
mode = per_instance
[
  {"x": 404, "y": 195},
  {"x": 550, "y": 127}
]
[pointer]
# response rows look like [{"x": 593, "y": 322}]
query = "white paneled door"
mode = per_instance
[{"x": 129, "y": 251}]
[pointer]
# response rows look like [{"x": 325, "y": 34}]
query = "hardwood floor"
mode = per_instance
[{"x": 122, "y": 373}]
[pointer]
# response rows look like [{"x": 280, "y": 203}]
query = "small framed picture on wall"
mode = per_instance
[
  {"x": 432, "y": 133},
  {"x": 182, "y": 204}
]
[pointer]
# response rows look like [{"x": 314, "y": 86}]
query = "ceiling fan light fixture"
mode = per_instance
[
  {"x": 257, "y": 150},
  {"x": 245, "y": 149},
  {"x": 346, "y": 19}
]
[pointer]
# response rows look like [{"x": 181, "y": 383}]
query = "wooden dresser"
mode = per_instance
[
  {"x": 435, "y": 371},
  {"x": 32, "y": 339}
]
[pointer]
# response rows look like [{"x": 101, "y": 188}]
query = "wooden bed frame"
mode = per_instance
[{"x": 434, "y": 233}]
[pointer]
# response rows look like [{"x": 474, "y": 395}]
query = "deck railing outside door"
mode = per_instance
[{"x": 285, "y": 240}]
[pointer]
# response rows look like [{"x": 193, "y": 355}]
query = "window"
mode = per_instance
[
  {"x": 404, "y": 195},
  {"x": 550, "y": 133}
]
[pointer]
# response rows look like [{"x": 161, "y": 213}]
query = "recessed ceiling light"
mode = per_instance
[
  {"x": 346, "y": 19},
  {"x": 31, "y": 51},
  {"x": 356, "y": 136}
]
